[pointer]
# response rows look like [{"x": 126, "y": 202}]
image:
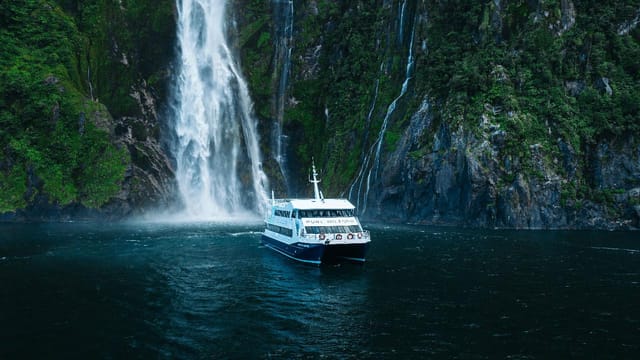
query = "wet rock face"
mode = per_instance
[
  {"x": 568, "y": 15},
  {"x": 149, "y": 180},
  {"x": 615, "y": 165},
  {"x": 575, "y": 88},
  {"x": 456, "y": 177},
  {"x": 602, "y": 84}
]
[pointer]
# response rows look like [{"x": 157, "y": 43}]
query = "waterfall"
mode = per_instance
[
  {"x": 215, "y": 145},
  {"x": 283, "y": 18},
  {"x": 401, "y": 11},
  {"x": 392, "y": 107},
  {"x": 365, "y": 157},
  {"x": 376, "y": 148}
]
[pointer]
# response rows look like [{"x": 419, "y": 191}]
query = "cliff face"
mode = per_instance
[
  {"x": 519, "y": 114},
  {"x": 468, "y": 179},
  {"x": 81, "y": 131},
  {"x": 130, "y": 48}
]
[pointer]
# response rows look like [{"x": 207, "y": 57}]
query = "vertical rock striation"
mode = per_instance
[{"x": 513, "y": 113}]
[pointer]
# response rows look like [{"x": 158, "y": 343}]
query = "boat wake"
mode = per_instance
[
  {"x": 237, "y": 218},
  {"x": 632, "y": 251},
  {"x": 246, "y": 233}
]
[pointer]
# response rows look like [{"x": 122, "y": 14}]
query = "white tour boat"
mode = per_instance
[{"x": 315, "y": 230}]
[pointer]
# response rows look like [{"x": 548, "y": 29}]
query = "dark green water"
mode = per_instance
[{"x": 210, "y": 291}]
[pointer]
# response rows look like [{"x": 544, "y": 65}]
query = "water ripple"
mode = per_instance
[{"x": 211, "y": 291}]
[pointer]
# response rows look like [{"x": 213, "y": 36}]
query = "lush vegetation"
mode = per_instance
[
  {"x": 50, "y": 145},
  {"x": 60, "y": 61},
  {"x": 257, "y": 48},
  {"x": 536, "y": 70},
  {"x": 523, "y": 68},
  {"x": 68, "y": 66},
  {"x": 541, "y": 77},
  {"x": 346, "y": 63}
]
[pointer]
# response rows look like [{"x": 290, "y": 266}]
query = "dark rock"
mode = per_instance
[
  {"x": 496, "y": 20},
  {"x": 628, "y": 26},
  {"x": 568, "y": 158},
  {"x": 615, "y": 165},
  {"x": 575, "y": 88},
  {"x": 81, "y": 122},
  {"x": 51, "y": 80},
  {"x": 498, "y": 138},
  {"x": 149, "y": 180},
  {"x": 568, "y": 15},
  {"x": 602, "y": 85},
  {"x": 462, "y": 181}
]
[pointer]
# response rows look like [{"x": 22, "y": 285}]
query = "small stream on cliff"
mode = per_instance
[
  {"x": 210, "y": 290},
  {"x": 283, "y": 12},
  {"x": 371, "y": 160}
]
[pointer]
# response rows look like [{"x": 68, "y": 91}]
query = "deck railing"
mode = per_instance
[{"x": 360, "y": 235}]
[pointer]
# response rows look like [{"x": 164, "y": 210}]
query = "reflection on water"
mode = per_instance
[{"x": 155, "y": 290}]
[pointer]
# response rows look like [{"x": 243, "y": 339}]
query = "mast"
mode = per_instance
[{"x": 315, "y": 181}]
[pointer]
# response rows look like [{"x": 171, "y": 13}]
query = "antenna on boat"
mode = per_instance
[{"x": 315, "y": 181}]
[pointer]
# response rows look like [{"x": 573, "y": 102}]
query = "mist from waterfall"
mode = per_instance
[{"x": 215, "y": 144}]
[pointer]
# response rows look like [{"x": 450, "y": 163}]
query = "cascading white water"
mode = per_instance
[
  {"x": 392, "y": 106},
  {"x": 357, "y": 183},
  {"x": 401, "y": 11},
  {"x": 218, "y": 164},
  {"x": 377, "y": 145}
]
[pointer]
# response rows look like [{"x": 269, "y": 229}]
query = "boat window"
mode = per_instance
[
  {"x": 283, "y": 213},
  {"x": 332, "y": 229},
  {"x": 280, "y": 230},
  {"x": 326, "y": 213}
]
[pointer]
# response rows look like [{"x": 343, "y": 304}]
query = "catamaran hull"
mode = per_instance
[
  {"x": 306, "y": 253},
  {"x": 318, "y": 253},
  {"x": 351, "y": 252}
]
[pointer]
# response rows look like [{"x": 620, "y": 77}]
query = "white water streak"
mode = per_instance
[
  {"x": 215, "y": 131},
  {"x": 403, "y": 8},
  {"x": 377, "y": 145},
  {"x": 283, "y": 54},
  {"x": 365, "y": 161}
]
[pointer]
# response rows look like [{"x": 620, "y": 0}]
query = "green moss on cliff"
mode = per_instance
[
  {"x": 526, "y": 63},
  {"x": 255, "y": 42},
  {"x": 124, "y": 42},
  {"x": 546, "y": 73},
  {"x": 49, "y": 142}
]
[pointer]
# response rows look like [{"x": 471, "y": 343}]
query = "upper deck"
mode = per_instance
[
  {"x": 313, "y": 204},
  {"x": 313, "y": 211},
  {"x": 307, "y": 209}
]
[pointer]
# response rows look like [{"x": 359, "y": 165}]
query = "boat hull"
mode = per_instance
[
  {"x": 316, "y": 254},
  {"x": 303, "y": 252},
  {"x": 351, "y": 252}
]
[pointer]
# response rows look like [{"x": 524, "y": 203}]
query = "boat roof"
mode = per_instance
[
  {"x": 318, "y": 202},
  {"x": 313, "y": 204}
]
